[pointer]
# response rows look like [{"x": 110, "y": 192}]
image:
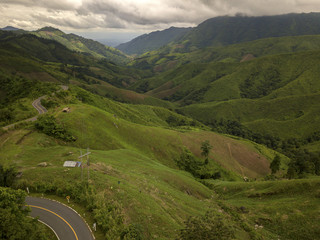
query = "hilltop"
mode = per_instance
[
  {"x": 83, "y": 45},
  {"x": 153, "y": 40}
]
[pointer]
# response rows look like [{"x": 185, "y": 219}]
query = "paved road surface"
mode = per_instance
[
  {"x": 37, "y": 105},
  {"x": 66, "y": 223}
]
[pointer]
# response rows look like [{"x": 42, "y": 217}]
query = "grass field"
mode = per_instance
[{"x": 132, "y": 164}]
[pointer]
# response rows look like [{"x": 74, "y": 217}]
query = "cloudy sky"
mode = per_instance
[{"x": 134, "y": 17}]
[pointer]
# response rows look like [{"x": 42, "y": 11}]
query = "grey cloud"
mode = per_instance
[
  {"x": 51, "y": 4},
  {"x": 81, "y": 14}
]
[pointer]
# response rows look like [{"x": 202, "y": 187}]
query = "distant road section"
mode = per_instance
[
  {"x": 37, "y": 105},
  {"x": 65, "y": 222}
]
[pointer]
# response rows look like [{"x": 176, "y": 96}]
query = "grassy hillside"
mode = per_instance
[
  {"x": 28, "y": 63},
  {"x": 288, "y": 117},
  {"x": 83, "y": 45},
  {"x": 276, "y": 95},
  {"x": 271, "y": 76},
  {"x": 284, "y": 209},
  {"x": 132, "y": 169},
  {"x": 132, "y": 165},
  {"x": 171, "y": 56}
]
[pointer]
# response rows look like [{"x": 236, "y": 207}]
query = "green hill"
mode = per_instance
[
  {"x": 267, "y": 91},
  {"x": 170, "y": 57},
  {"x": 28, "y": 62},
  {"x": 133, "y": 171},
  {"x": 221, "y": 31},
  {"x": 135, "y": 146},
  {"x": 83, "y": 45}
]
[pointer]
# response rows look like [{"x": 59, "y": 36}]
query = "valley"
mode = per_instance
[{"x": 192, "y": 136}]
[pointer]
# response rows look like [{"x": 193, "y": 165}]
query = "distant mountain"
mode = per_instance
[
  {"x": 221, "y": 31},
  {"x": 83, "y": 45},
  {"x": 153, "y": 41},
  {"x": 10, "y": 28}
]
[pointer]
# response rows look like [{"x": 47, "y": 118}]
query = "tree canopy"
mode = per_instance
[{"x": 14, "y": 223}]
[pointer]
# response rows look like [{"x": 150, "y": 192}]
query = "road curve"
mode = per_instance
[
  {"x": 65, "y": 222},
  {"x": 37, "y": 105}
]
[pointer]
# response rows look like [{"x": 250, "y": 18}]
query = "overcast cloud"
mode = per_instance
[{"x": 136, "y": 15}]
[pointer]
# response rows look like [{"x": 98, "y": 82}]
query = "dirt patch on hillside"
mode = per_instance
[
  {"x": 247, "y": 57},
  {"x": 132, "y": 95},
  {"x": 230, "y": 153}
]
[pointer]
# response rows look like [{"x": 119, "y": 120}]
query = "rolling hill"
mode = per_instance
[
  {"x": 83, "y": 45},
  {"x": 133, "y": 152},
  {"x": 273, "y": 92},
  {"x": 28, "y": 60},
  {"x": 170, "y": 56}
]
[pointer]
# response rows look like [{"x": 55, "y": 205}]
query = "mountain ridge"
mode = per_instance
[{"x": 153, "y": 40}]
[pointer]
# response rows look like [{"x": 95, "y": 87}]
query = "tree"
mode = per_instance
[
  {"x": 14, "y": 220},
  {"x": 7, "y": 176},
  {"x": 48, "y": 124},
  {"x": 188, "y": 162},
  {"x": 205, "y": 147},
  {"x": 275, "y": 164}
]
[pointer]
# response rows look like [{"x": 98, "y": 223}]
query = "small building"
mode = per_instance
[{"x": 72, "y": 164}]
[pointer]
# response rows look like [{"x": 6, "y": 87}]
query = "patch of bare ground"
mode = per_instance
[
  {"x": 247, "y": 57},
  {"x": 229, "y": 153}
]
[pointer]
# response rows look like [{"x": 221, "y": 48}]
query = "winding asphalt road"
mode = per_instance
[
  {"x": 65, "y": 222},
  {"x": 37, "y": 105}
]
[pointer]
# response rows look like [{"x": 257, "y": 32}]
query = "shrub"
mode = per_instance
[
  {"x": 211, "y": 226},
  {"x": 47, "y": 124}
]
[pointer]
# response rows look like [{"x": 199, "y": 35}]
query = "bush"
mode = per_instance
[
  {"x": 7, "y": 176},
  {"x": 211, "y": 226},
  {"x": 47, "y": 124}
]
